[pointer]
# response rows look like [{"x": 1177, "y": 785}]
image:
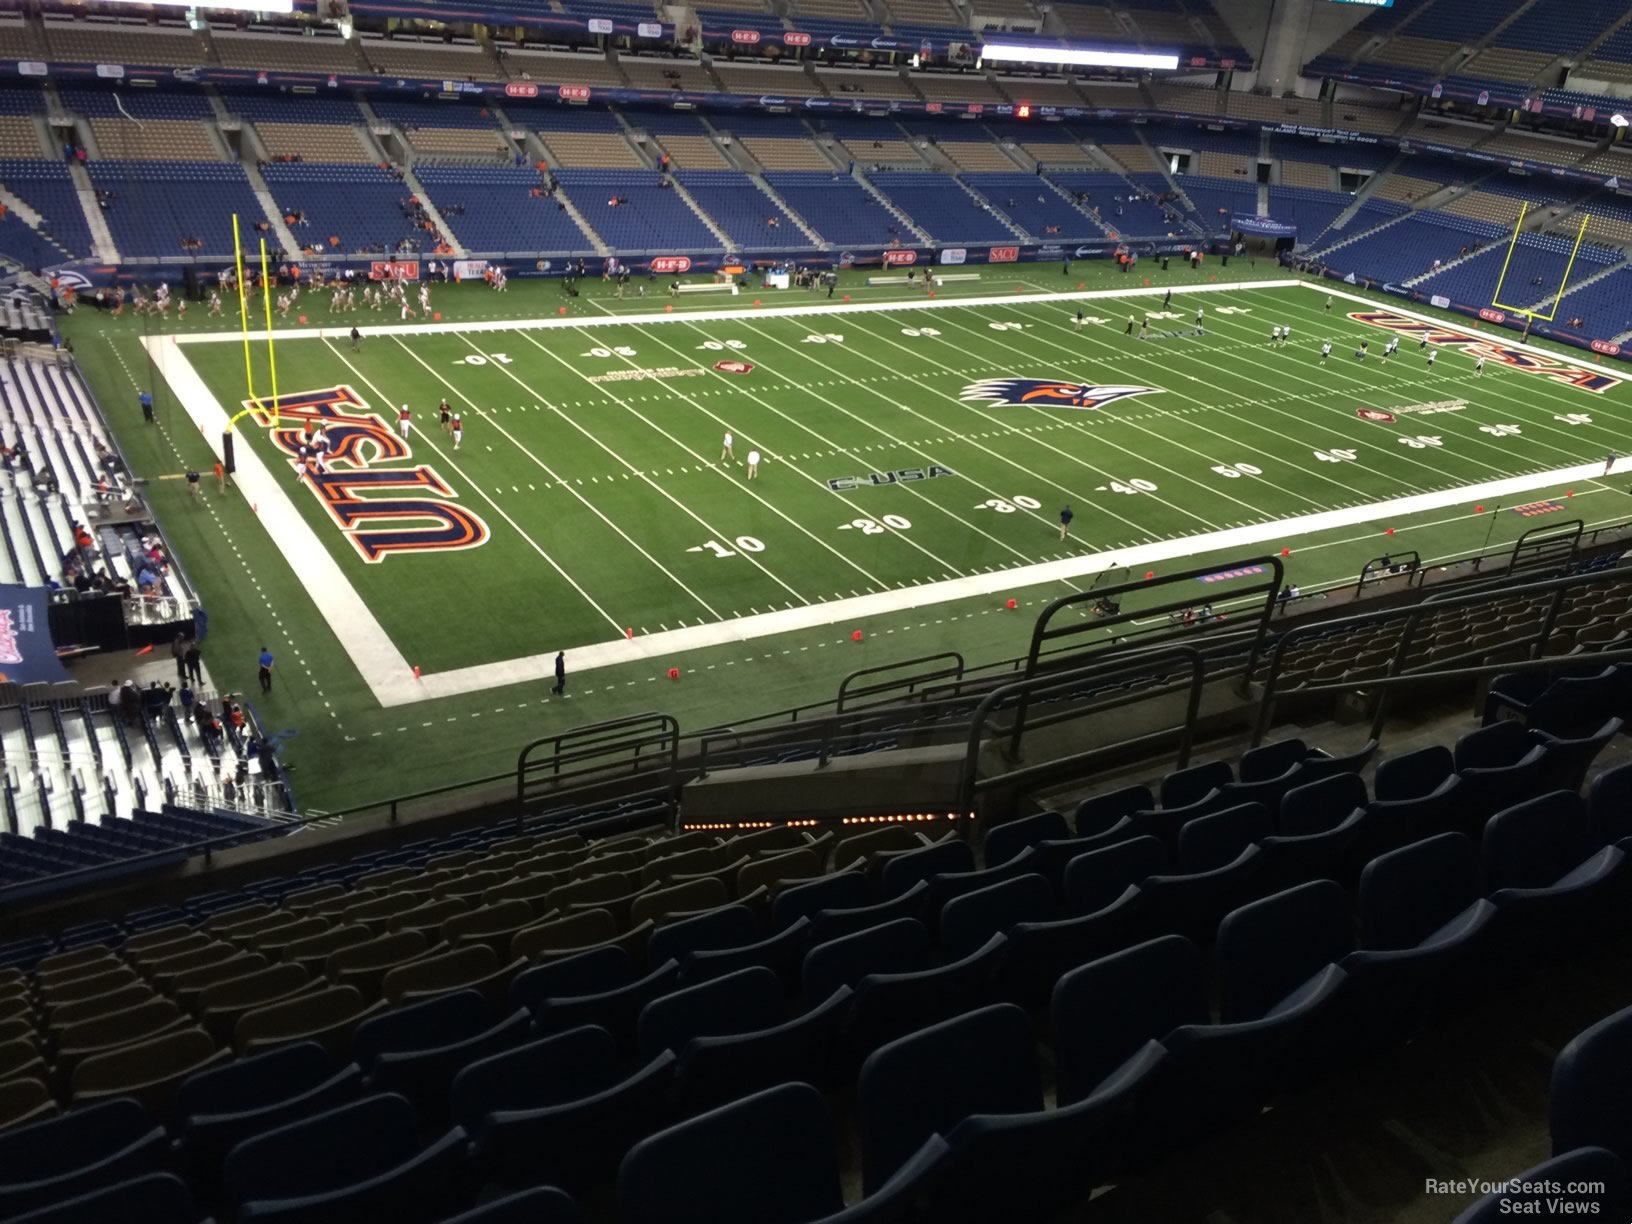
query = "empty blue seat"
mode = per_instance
[
  {"x": 1097, "y": 813},
  {"x": 890, "y": 947},
  {"x": 538, "y": 1205},
  {"x": 1038, "y": 953},
  {"x": 1275, "y": 949},
  {"x": 1329, "y": 854},
  {"x": 1544, "y": 871},
  {"x": 927, "y": 1082},
  {"x": 949, "y": 884},
  {"x": 1423, "y": 925},
  {"x": 970, "y": 920},
  {"x": 594, "y": 971},
  {"x": 886, "y": 1005},
  {"x": 418, "y": 1026},
  {"x": 566, "y": 1067},
  {"x": 204, "y": 1139},
  {"x": 256, "y": 1081},
  {"x": 1570, "y": 756},
  {"x": 1211, "y": 841},
  {"x": 1270, "y": 761},
  {"x": 1320, "y": 764},
  {"x": 1558, "y": 1185},
  {"x": 576, "y": 1144},
  {"x": 728, "y": 926},
  {"x": 829, "y": 924},
  {"x": 1192, "y": 903},
  {"x": 424, "y": 1076},
  {"x": 1499, "y": 765},
  {"x": 1611, "y": 804},
  {"x": 713, "y": 1070},
  {"x": 1183, "y": 787},
  {"x": 736, "y": 1003},
  {"x": 358, "y": 1160},
  {"x": 1094, "y": 880},
  {"x": 1416, "y": 795},
  {"x": 841, "y": 890},
  {"x": 781, "y": 953},
  {"x": 76, "y": 1152},
  {"x": 783, "y": 1168},
  {"x": 1573, "y": 705},
  {"x": 614, "y": 1010},
  {"x": 156, "y": 1198},
  {"x": 901, "y": 871},
  {"x": 1592, "y": 1076},
  {"x": 1005, "y": 841}
]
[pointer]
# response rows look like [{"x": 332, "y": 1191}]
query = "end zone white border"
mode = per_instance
[{"x": 389, "y": 675}]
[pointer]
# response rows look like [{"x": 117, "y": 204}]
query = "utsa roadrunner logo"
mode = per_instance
[
  {"x": 1545, "y": 364},
  {"x": 1049, "y": 393},
  {"x": 384, "y": 506}
]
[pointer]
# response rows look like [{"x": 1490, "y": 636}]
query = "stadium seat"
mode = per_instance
[
  {"x": 1319, "y": 764},
  {"x": 77, "y": 1152},
  {"x": 901, "y": 946},
  {"x": 1192, "y": 903},
  {"x": 1592, "y": 1074},
  {"x": 1183, "y": 787},
  {"x": 576, "y": 1144},
  {"x": 1212, "y": 841},
  {"x": 418, "y": 1026},
  {"x": 713, "y": 1069},
  {"x": 781, "y": 953},
  {"x": 1423, "y": 927},
  {"x": 538, "y": 1205},
  {"x": 1415, "y": 795},
  {"x": 1270, "y": 761},
  {"x": 425, "y": 1075},
  {"x": 1003, "y": 842},
  {"x": 1569, "y": 757},
  {"x": 968, "y": 921},
  {"x": 1317, "y": 807},
  {"x": 590, "y": 972},
  {"x": 146, "y": 1071},
  {"x": 1039, "y": 953},
  {"x": 1328, "y": 854},
  {"x": 1499, "y": 765},
  {"x": 924, "y": 1084},
  {"x": 550, "y": 1071},
  {"x": 1098, "y": 813},
  {"x": 1549, "y": 1187},
  {"x": 156, "y": 1198},
  {"x": 355, "y": 1160},
  {"x": 784, "y": 1169},
  {"x": 890, "y": 1004},
  {"x": 1544, "y": 871},
  {"x": 739, "y": 1002},
  {"x": 841, "y": 890},
  {"x": 727, "y": 926},
  {"x": 1094, "y": 880},
  {"x": 1611, "y": 802},
  {"x": 828, "y": 924},
  {"x": 899, "y": 872},
  {"x": 615, "y": 1010}
]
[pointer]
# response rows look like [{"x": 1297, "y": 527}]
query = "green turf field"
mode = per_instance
[{"x": 915, "y": 461}]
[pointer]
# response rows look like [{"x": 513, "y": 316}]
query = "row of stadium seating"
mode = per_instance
[{"x": 478, "y": 1014}]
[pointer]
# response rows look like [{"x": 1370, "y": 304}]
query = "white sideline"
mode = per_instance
[{"x": 389, "y": 675}]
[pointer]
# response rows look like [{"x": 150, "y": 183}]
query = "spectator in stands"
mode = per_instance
[
  {"x": 156, "y": 699},
  {"x": 266, "y": 661},
  {"x": 184, "y": 698},
  {"x": 195, "y": 663},
  {"x": 130, "y": 703}
]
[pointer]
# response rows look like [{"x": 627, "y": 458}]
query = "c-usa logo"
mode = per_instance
[{"x": 1049, "y": 393}]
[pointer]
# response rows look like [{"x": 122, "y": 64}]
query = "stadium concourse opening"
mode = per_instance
[{"x": 591, "y": 586}]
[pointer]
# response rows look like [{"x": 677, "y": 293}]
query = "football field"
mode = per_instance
[{"x": 915, "y": 457}]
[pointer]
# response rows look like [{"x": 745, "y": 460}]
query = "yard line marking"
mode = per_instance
[
  {"x": 1175, "y": 391},
  {"x": 837, "y": 449},
  {"x": 588, "y": 505},
  {"x": 685, "y": 509},
  {"x": 724, "y": 474},
  {"x": 1211, "y": 490},
  {"x": 382, "y": 398}
]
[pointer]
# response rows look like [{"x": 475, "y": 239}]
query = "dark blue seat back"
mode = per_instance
[
  {"x": 1408, "y": 894},
  {"x": 890, "y": 1004},
  {"x": 1611, "y": 796},
  {"x": 614, "y": 1010},
  {"x": 1413, "y": 775},
  {"x": 1271, "y": 760},
  {"x": 901, "y": 871},
  {"x": 782, "y": 1169},
  {"x": 927, "y": 1082},
  {"x": 736, "y": 1003},
  {"x": 729, "y": 926},
  {"x": 1094, "y": 880},
  {"x": 1183, "y": 787},
  {"x": 1270, "y": 947},
  {"x": 829, "y": 924},
  {"x": 156, "y": 1198},
  {"x": 714, "y": 1070},
  {"x": 1097, "y": 813},
  {"x": 1494, "y": 747},
  {"x": 1211, "y": 841},
  {"x": 437, "y": 1021},
  {"x": 323, "y": 1152},
  {"x": 1105, "y": 1011},
  {"x": 1535, "y": 1193},
  {"x": 590, "y": 972},
  {"x": 1592, "y": 1080},
  {"x": 890, "y": 947},
  {"x": 1006, "y": 840},
  {"x": 1536, "y": 843},
  {"x": 781, "y": 953},
  {"x": 261, "y": 1079},
  {"x": 539, "y": 1205},
  {"x": 841, "y": 890},
  {"x": 565, "y": 1067},
  {"x": 970, "y": 920},
  {"x": 79, "y": 1151}
]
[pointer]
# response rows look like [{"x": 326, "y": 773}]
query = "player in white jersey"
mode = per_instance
[
  {"x": 1200, "y": 311},
  {"x": 1432, "y": 353},
  {"x": 1325, "y": 352},
  {"x": 1275, "y": 335},
  {"x": 457, "y": 428},
  {"x": 753, "y": 465},
  {"x": 725, "y": 447},
  {"x": 1391, "y": 347},
  {"x": 1479, "y": 364},
  {"x": 1286, "y": 334},
  {"x": 407, "y": 310},
  {"x": 425, "y": 298},
  {"x": 404, "y": 421},
  {"x": 215, "y": 301}
]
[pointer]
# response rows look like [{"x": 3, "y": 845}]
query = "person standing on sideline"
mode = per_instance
[
  {"x": 1479, "y": 364},
  {"x": 220, "y": 477},
  {"x": 456, "y": 427},
  {"x": 1077, "y": 322},
  {"x": 445, "y": 416},
  {"x": 1144, "y": 328},
  {"x": 1167, "y": 300},
  {"x": 1325, "y": 352},
  {"x": 1432, "y": 353},
  {"x": 195, "y": 484},
  {"x": 1286, "y": 334},
  {"x": 725, "y": 447},
  {"x": 1065, "y": 522},
  {"x": 560, "y": 688},
  {"x": 266, "y": 670},
  {"x": 146, "y": 400},
  {"x": 1200, "y": 313},
  {"x": 1129, "y": 332},
  {"x": 178, "y": 652},
  {"x": 356, "y": 340},
  {"x": 404, "y": 418},
  {"x": 195, "y": 663},
  {"x": 753, "y": 465},
  {"x": 1328, "y": 303}
]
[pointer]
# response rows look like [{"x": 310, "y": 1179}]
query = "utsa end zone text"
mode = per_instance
[{"x": 843, "y": 484}]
